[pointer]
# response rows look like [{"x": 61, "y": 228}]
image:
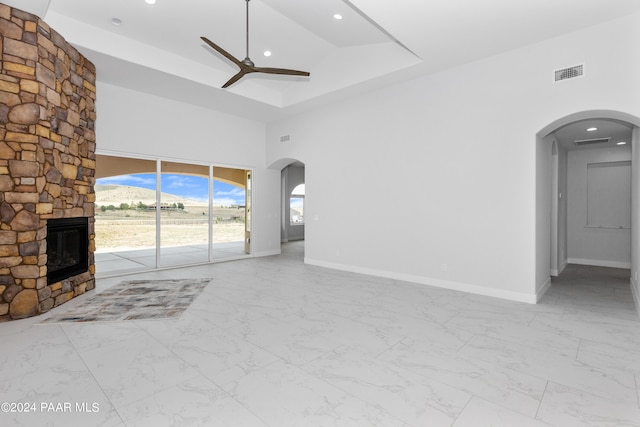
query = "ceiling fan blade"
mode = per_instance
[
  {"x": 286, "y": 71},
  {"x": 238, "y": 76},
  {"x": 221, "y": 51}
]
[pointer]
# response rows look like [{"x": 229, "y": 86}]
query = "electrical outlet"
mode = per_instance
[{"x": 444, "y": 267}]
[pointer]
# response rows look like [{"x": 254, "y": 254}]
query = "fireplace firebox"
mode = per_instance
[{"x": 67, "y": 248}]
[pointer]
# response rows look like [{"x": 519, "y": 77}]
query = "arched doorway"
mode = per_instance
[
  {"x": 293, "y": 198},
  {"x": 596, "y": 139},
  {"x": 293, "y": 204}
]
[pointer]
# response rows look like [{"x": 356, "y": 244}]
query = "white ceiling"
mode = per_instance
[
  {"x": 617, "y": 132},
  {"x": 157, "y": 49}
]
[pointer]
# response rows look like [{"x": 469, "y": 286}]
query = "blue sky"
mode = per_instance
[{"x": 187, "y": 186}]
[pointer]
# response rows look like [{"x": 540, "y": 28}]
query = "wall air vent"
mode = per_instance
[
  {"x": 285, "y": 138},
  {"x": 581, "y": 142},
  {"x": 569, "y": 73}
]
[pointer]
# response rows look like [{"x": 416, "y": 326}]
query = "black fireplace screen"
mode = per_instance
[{"x": 67, "y": 248}]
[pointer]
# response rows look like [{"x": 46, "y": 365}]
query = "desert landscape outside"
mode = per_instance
[{"x": 126, "y": 219}]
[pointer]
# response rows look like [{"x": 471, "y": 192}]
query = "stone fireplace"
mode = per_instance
[{"x": 47, "y": 167}]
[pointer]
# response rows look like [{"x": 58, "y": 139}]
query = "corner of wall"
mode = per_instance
[
  {"x": 267, "y": 253},
  {"x": 543, "y": 290},
  {"x": 635, "y": 290}
]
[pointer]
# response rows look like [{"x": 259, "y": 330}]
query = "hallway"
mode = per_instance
[{"x": 600, "y": 290}]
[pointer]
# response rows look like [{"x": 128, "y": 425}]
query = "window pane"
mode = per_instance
[
  {"x": 230, "y": 207},
  {"x": 297, "y": 210},
  {"x": 184, "y": 213},
  {"x": 125, "y": 224},
  {"x": 298, "y": 191}
]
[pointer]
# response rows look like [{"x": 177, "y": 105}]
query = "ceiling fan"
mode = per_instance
[{"x": 246, "y": 65}]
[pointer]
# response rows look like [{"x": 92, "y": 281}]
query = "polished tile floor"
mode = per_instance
[{"x": 274, "y": 342}]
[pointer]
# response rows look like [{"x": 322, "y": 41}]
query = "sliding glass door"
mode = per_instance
[
  {"x": 184, "y": 213},
  {"x": 162, "y": 213},
  {"x": 230, "y": 212}
]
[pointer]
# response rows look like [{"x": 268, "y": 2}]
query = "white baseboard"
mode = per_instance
[
  {"x": 543, "y": 289},
  {"x": 555, "y": 272},
  {"x": 635, "y": 290},
  {"x": 439, "y": 283},
  {"x": 267, "y": 253},
  {"x": 599, "y": 263},
  {"x": 562, "y": 267}
]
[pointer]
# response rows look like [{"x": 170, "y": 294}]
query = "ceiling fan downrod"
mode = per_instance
[{"x": 247, "y": 60}]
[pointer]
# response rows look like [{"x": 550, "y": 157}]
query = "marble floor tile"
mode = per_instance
[
  {"x": 480, "y": 413},
  {"x": 367, "y": 337},
  {"x": 400, "y": 324},
  {"x": 564, "y": 370},
  {"x": 493, "y": 326},
  {"x": 136, "y": 368},
  {"x": 285, "y": 396},
  {"x": 217, "y": 354},
  {"x": 549, "y": 299},
  {"x": 288, "y": 341},
  {"x": 568, "y": 407},
  {"x": 414, "y": 304},
  {"x": 222, "y": 313},
  {"x": 591, "y": 326},
  {"x": 623, "y": 359},
  {"x": 507, "y": 387},
  {"x": 195, "y": 402},
  {"x": 61, "y": 395},
  {"x": 621, "y": 305},
  {"x": 38, "y": 347},
  {"x": 16, "y": 328},
  {"x": 97, "y": 335},
  {"x": 410, "y": 397}
]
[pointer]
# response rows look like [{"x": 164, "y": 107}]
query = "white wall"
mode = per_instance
[
  {"x": 562, "y": 208},
  {"x": 593, "y": 245},
  {"x": 543, "y": 206},
  {"x": 635, "y": 219},
  {"x": 130, "y": 122},
  {"x": 554, "y": 206},
  {"x": 445, "y": 192}
]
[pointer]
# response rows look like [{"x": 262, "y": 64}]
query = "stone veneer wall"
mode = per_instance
[{"x": 47, "y": 159}]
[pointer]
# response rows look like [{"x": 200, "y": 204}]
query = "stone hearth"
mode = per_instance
[{"x": 47, "y": 159}]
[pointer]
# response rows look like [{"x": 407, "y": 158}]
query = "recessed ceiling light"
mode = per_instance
[
  {"x": 267, "y": 53},
  {"x": 592, "y": 129},
  {"x": 116, "y": 21},
  {"x": 337, "y": 16},
  {"x": 622, "y": 143},
  {"x": 150, "y": 1}
]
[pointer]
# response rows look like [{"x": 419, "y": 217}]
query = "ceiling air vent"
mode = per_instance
[
  {"x": 569, "y": 73},
  {"x": 285, "y": 138},
  {"x": 581, "y": 142}
]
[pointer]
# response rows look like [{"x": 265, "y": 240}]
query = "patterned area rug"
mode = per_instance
[{"x": 136, "y": 299}]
